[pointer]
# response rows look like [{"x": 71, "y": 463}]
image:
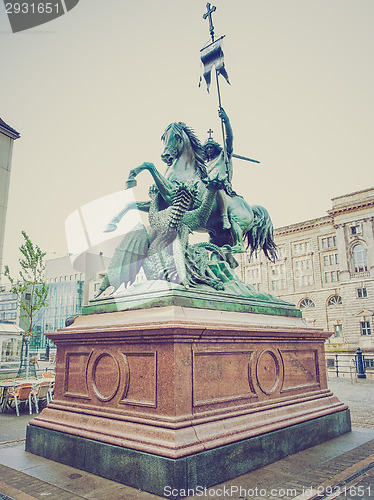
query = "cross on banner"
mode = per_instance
[{"x": 209, "y": 14}]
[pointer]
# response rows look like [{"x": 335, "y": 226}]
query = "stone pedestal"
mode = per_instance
[{"x": 180, "y": 397}]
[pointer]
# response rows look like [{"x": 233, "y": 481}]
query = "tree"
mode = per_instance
[{"x": 32, "y": 292}]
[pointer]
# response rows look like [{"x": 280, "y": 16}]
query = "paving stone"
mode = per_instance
[{"x": 43, "y": 479}]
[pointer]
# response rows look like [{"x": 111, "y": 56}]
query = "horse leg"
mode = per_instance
[
  {"x": 164, "y": 186},
  {"x": 222, "y": 207},
  {"x": 143, "y": 206},
  {"x": 241, "y": 217},
  {"x": 237, "y": 233}
]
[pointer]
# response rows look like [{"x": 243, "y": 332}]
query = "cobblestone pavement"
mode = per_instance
[
  {"x": 342, "y": 468},
  {"x": 359, "y": 396}
]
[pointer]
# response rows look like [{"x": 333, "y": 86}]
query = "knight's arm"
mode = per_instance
[{"x": 229, "y": 133}]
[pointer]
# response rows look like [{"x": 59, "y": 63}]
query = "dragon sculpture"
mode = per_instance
[{"x": 163, "y": 250}]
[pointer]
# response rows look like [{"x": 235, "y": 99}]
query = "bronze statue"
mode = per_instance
[
  {"x": 171, "y": 221},
  {"x": 219, "y": 161},
  {"x": 194, "y": 194},
  {"x": 184, "y": 156}
]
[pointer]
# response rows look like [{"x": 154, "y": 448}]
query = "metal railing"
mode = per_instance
[
  {"x": 353, "y": 364},
  {"x": 42, "y": 360}
]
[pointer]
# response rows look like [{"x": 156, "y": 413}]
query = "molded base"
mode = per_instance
[{"x": 173, "y": 477}]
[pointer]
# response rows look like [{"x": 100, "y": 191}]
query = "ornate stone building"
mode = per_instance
[
  {"x": 7, "y": 138},
  {"x": 325, "y": 266}
]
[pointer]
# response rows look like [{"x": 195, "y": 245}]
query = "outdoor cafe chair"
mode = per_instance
[
  {"x": 22, "y": 395},
  {"x": 10, "y": 389},
  {"x": 43, "y": 395}
]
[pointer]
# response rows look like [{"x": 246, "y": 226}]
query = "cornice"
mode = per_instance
[
  {"x": 360, "y": 205},
  {"x": 304, "y": 226},
  {"x": 5, "y": 129}
]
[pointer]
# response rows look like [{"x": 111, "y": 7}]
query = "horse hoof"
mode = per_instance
[
  {"x": 130, "y": 183},
  {"x": 225, "y": 222},
  {"x": 110, "y": 227}
]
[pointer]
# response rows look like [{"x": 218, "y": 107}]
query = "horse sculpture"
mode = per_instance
[{"x": 183, "y": 155}]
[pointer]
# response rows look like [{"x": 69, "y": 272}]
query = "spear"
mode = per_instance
[
  {"x": 208, "y": 14},
  {"x": 213, "y": 55}
]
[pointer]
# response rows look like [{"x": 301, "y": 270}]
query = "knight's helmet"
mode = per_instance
[{"x": 211, "y": 142}]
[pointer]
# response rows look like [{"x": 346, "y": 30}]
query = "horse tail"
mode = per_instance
[{"x": 260, "y": 236}]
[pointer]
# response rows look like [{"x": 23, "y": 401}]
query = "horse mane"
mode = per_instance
[{"x": 179, "y": 127}]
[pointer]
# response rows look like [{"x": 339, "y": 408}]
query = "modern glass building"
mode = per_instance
[{"x": 65, "y": 299}]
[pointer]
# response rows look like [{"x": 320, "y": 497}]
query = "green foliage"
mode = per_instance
[{"x": 30, "y": 287}]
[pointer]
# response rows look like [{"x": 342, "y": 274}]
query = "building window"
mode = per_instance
[
  {"x": 306, "y": 304},
  {"x": 304, "y": 271},
  {"x": 254, "y": 276},
  {"x": 329, "y": 242},
  {"x": 331, "y": 260},
  {"x": 359, "y": 258},
  {"x": 302, "y": 247},
  {"x": 365, "y": 328},
  {"x": 338, "y": 330},
  {"x": 281, "y": 253},
  {"x": 356, "y": 229},
  {"x": 335, "y": 300},
  {"x": 332, "y": 276},
  {"x": 362, "y": 293},
  {"x": 278, "y": 277}
]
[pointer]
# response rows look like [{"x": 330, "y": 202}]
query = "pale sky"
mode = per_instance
[{"x": 92, "y": 92}]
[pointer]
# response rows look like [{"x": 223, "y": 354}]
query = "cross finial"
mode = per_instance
[
  {"x": 209, "y": 14},
  {"x": 210, "y": 132}
]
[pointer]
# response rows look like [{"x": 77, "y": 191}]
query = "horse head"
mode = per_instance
[
  {"x": 180, "y": 139},
  {"x": 175, "y": 140}
]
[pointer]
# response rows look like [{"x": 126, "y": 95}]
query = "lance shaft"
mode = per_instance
[
  {"x": 208, "y": 15},
  {"x": 220, "y": 106}
]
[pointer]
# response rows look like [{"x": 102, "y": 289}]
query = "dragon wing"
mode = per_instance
[{"x": 127, "y": 259}]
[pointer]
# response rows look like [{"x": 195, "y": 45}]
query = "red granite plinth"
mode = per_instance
[{"x": 174, "y": 381}]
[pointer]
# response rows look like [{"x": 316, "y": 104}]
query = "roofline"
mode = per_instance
[
  {"x": 351, "y": 194},
  {"x": 358, "y": 205},
  {"x": 303, "y": 226},
  {"x": 8, "y": 131}
]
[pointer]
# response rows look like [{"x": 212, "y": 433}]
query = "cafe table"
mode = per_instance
[{"x": 6, "y": 385}]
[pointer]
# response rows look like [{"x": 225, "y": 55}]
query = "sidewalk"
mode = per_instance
[{"x": 341, "y": 468}]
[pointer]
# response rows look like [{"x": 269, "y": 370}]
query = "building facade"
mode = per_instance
[
  {"x": 7, "y": 138},
  {"x": 325, "y": 267},
  {"x": 10, "y": 345},
  {"x": 8, "y": 305},
  {"x": 68, "y": 292}
]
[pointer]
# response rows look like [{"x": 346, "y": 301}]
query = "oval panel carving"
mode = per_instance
[
  {"x": 268, "y": 372},
  {"x": 105, "y": 376}
]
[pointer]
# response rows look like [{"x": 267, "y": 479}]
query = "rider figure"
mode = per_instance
[{"x": 216, "y": 163}]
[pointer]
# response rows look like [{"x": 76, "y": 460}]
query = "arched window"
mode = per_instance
[
  {"x": 306, "y": 304},
  {"x": 335, "y": 300},
  {"x": 359, "y": 258}
]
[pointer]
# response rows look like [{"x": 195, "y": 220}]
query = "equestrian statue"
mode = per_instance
[{"x": 194, "y": 194}]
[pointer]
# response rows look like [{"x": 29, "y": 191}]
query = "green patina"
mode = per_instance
[
  {"x": 236, "y": 296},
  {"x": 194, "y": 195}
]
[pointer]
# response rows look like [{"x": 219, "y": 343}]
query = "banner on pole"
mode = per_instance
[{"x": 212, "y": 57}]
